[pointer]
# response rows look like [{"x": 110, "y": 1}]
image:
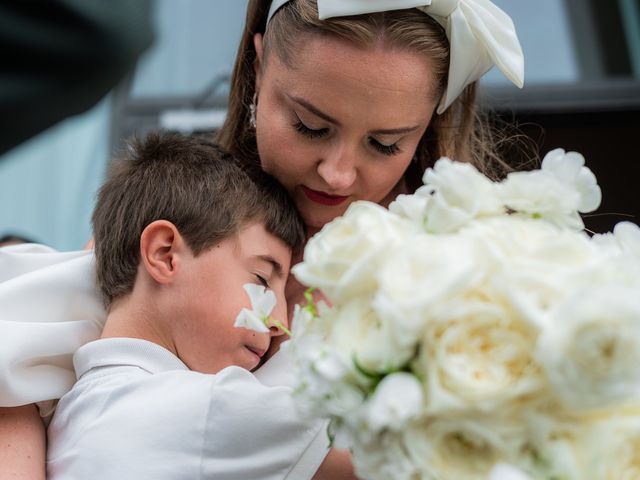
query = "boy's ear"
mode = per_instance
[
  {"x": 160, "y": 247},
  {"x": 257, "y": 63}
]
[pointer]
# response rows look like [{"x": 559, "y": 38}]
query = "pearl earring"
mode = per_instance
[{"x": 252, "y": 111}]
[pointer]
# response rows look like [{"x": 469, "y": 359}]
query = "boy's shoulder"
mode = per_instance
[{"x": 133, "y": 395}]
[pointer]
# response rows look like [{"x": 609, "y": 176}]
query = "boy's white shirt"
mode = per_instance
[
  {"x": 138, "y": 412},
  {"x": 49, "y": 308}
]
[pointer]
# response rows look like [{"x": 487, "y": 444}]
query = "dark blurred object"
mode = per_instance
[
  {"x": 62, "y": 56},
  {"x": 12, "y": 239}
]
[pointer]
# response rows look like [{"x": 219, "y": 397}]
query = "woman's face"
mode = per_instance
[{"x": 342, "y": 123}]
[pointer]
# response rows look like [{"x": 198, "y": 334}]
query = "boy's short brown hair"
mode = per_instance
[{"x": 189, "y": 181}]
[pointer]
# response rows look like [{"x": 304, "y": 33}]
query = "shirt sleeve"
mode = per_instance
[
  {"x": 48, "y": 308},
  {"x": 254, "y": 431}
]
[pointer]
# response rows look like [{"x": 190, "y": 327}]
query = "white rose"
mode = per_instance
[
  {"x": 530, "y": 262},
  {"x": 412, "y": 207},
  {"x": 591, "y": 351},
  {"x": 627, "y": 235},
  {"x": 569, "y": 168},
  {"x": 614, "y": 449},
  {"x": 339, "y": 355},
  {"x": 342, "y": 258},
  {"x": 319, "y": 368},
  {"x": 557, "y": 192},
  {"x": 397, "y": 399},
  {"x": 541, "y": 194},
  {"x": 459, "y": 194},
  {"x": 363, "y": 337},
  {"x": 460, "y": 448},
  {"x": 382, "y": 457},
  {"x": 478, "y": 353},
  {"x": 425, "y": 271},
  {"x": 325, "y": 385},
  {"x": 553, "y": 448},
  {"x": 619, "y": 253}
]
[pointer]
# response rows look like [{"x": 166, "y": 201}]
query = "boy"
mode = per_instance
[{"x": 179, "y": 229}]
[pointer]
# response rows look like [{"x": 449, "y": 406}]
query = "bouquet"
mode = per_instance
[{"x": 473, "y": 330}]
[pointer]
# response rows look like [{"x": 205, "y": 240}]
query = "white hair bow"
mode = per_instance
[{"x": 480, "y": 36}]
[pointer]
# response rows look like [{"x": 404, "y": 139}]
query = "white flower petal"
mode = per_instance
[
  {"x": 590, "y": 193},
  {"x": 564, "y": 166},
  {"x": 503, "y": 471},
  {"x": 248, "y": 319},
  {"x": 262, "y": 300}
]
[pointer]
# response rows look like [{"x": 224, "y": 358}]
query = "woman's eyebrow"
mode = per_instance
[
  {"x": 275, "y": 265},
  {"x": 315, "y": 110},
  {"x": 395, "y": 131}
]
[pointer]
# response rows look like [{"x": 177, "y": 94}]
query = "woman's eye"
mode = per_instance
[
  {"x": 309, "y": 132},
  {"x": 384, "y": 149},
  {"x": 262, "y": 281}
]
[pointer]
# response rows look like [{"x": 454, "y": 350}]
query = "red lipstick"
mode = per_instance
[{"x": 323, "y": 198}]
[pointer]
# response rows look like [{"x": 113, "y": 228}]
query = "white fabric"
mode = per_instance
[
  {"x": 278, "y": 370},
  {"x": 48, "y": 308},
  {"x": 138, "y": 412},
  {"x": 480, "y": 35}
]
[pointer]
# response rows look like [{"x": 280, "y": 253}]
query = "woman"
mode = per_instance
[{"x": 353, "y": 106}]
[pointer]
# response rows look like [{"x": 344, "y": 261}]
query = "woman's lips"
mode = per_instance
[{"x": 323, "y": 198}]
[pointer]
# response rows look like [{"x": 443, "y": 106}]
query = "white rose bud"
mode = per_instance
[{"x": 397, "y": 399}]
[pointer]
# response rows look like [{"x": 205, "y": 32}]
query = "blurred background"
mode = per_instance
[{"x": 582, "y": 93}]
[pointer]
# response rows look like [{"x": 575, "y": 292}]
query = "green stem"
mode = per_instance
[
  {"x": 277, "y": 324},
  {"x": 282, "y": 327}
]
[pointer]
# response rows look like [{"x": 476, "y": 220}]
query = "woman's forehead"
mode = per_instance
[{"x": 344, "y": 76}]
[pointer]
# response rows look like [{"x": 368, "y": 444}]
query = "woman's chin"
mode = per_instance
[{"x": 316, "y": 220}]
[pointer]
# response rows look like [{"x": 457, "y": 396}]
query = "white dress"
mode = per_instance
[{"x": 48, "y": 308}]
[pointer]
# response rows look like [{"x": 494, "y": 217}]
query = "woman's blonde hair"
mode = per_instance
[{"x": 460, "y": 133}]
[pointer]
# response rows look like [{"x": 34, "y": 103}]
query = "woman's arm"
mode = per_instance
[
  {"x": 336, "y": 466},
  {"x": 22, "y": 444}
]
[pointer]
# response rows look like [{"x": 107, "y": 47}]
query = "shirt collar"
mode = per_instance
[{"x": 110, "y": 352}]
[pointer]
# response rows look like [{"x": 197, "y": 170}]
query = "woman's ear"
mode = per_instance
[
  {"x": 258, "y": 62},
  {"x": 160, "y": 248}
]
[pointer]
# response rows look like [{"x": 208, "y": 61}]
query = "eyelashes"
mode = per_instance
[
  {"x": 262, "y": 281},
  {"x": 384, "y": 149},
  {"x": 311, "y": 133}
]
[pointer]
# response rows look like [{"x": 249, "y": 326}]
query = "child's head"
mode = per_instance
[{"x": 187, "y": 225}]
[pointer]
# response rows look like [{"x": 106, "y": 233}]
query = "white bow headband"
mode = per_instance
[{"x": 480, "y": 36}]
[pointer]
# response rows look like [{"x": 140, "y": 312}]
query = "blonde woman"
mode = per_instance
[{"x": 340, "y": 101}]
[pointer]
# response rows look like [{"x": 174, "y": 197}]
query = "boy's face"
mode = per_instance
[{"x": 210, "y": 295}]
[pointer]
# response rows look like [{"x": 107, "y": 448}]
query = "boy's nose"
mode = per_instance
[
  {"x": 278, "y": 320},
  {"x": 275, "y": 331}
]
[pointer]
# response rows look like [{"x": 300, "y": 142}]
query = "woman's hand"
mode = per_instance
[
  {"x": 336, "y": 466},
  {"x": 22, "y": 454}
]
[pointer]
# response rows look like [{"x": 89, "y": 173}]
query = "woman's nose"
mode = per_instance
[{"x": 338, "y": 169}]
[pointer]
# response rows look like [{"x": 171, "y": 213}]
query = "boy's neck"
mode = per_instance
[{"x": 129, "y": 318}]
